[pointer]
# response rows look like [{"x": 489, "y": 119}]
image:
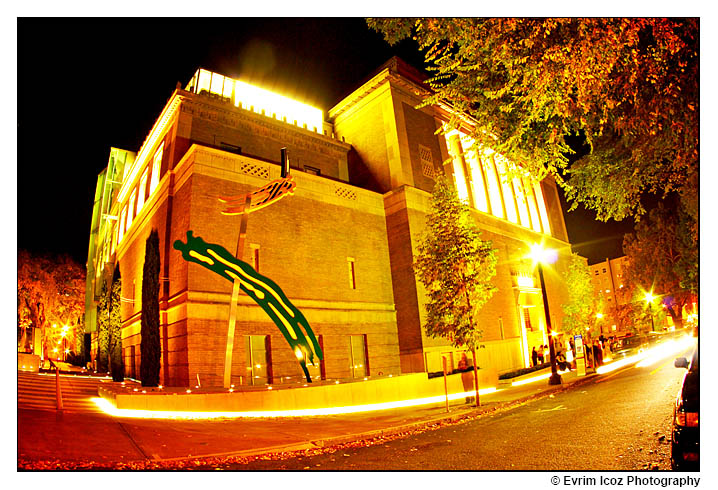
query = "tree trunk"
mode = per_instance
[{"x": 476, "y": 376}]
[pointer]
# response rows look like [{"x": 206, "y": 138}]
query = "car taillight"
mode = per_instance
[
  {"x": 682, "y": 418},
  {"x": 687, "y": 419}
]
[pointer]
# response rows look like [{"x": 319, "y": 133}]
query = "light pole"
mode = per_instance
[
  {"x": 649, "y": 299},
  {"x": 540, "y": 255},
  {"x": 64, "y": 342}
]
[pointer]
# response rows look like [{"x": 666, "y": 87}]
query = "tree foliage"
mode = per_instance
[
  {"x": 150, "y": 348},
  {"x": 103, "y": 330},
  {"x": 628, "y": 85},
  {"x": 582, "y": 303},
  {"x": 114, "y": 328},
  {"x": 50, "y": 291},
  {"x": 455, "y": 266},
  {"x": 659, "y": 260}
]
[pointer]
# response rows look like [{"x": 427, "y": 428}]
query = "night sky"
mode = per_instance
[{"x": 84, "y": 85}]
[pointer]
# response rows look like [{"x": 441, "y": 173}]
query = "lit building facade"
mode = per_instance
[
  {"x": 341, "y": 247},
  {"x": 607, "y": 278}
]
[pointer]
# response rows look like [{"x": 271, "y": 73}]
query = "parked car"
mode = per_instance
[
  {"x": 629, "y": 346},
  {"x": 685, "y": 448}
]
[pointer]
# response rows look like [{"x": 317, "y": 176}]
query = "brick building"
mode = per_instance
[
  {"x": 341, "y": 247},
  {"x": 607, "y": 278}
]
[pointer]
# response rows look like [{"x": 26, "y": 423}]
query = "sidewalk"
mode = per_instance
[{"x": 49, "y": 440}]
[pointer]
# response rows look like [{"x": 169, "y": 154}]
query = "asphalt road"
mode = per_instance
[{"x": 618, "y": 421}]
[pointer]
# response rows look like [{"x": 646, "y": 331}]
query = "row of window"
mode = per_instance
[
  {"x": 140, "y": 194},
  {"x": 482, "y": 180},
  {"x": 259, "y": 361}
]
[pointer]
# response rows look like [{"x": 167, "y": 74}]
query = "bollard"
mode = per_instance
[
  {"x": 446, "y": 386},
  {"x": 58, "y": 391},
  {"x": 476, "y": 377}
]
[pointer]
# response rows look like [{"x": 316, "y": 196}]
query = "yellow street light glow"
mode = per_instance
[
  {"x": 599, "y": 315},
  {"x": 649, "y": 297},
  {"x": 109, "y": 409},
  {"x": 664, "y": 350},
  {"x": 607, "y": 368},
  {"x": 542, "y": 255},
  {"x": 533, "y": 379}
]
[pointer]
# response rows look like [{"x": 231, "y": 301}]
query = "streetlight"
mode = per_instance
[
  {"x": 64, "y": 342},
  {"x": 540, "y": 256},
  {"x": 649, "y": 299}
]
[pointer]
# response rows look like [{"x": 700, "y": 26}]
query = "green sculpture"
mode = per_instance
[{"x": 262, "y": 290}]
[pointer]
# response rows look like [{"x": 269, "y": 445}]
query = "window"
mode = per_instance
[
  {"x": 255, "y": 255},
  {"x": 312, "y": 170},
  {"x": 258, "y": 361},
  {"x": 527, "y": 320},
  {"x": 156, "y": 163},
  {"x": 604, "y": 270},
  {"x": 358, "y": 356},
  {"x": 352, "y": 273},
  {"x": 427, "y": 162},
  {"x": 131, "y": 212},
  {"x": 317, "y": 370},
  {"x": 506, "y": 188},
  {"x": 143, "y": 190},
  {"x": 122, "y": 225}
]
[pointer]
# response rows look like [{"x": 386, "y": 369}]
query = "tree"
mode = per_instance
[
  {"x": 629, "y": 86},
  {"x": 657, "y": 261},
  {"x": 103, "y": 329},
  {"x": 455, "y": 266},
  {"x": 50, "y": 295},
  {"x": 114, "y": 329},
  {"x": 582, "y": 304},
  {"x": 150, "y": 348}
]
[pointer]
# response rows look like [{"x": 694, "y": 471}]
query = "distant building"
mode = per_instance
[
  {"x": 341, "y": 247},
  {"x": 608, "y": 281}
]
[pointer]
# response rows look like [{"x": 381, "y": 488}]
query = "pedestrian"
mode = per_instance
[
  {"x": 540, "y": 354},
  {"x": 561, "y": 361},
  {"x": 467, "y": 377},
  {"x": 534, "y": 356}
]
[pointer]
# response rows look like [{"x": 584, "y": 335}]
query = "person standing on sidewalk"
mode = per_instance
[
  {"x": 534, "y": 357},
  {"x": 540, "y": 354}
]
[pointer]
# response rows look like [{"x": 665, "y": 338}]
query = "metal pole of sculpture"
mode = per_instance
[
  {"x": 235, "y": 296},
  {"x": 243, "y": 210}
]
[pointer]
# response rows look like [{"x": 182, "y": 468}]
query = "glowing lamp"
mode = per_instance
[
  {"x": 542, "y": 255},
  {"x": 599, "y": 315},
  {"x": 649, "y": 297}
]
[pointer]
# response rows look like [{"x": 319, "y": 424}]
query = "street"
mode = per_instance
[{"x": 619, "y": 421}]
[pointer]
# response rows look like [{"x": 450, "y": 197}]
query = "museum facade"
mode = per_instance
[{"x": 340, "y": 247}]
